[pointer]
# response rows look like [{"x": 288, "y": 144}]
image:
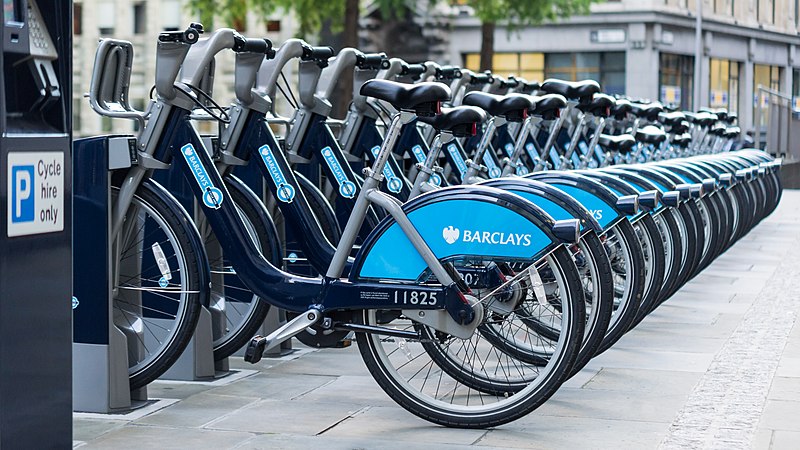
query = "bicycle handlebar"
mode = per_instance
[
  {"x": 189, "y": 36},
  {"x": 481, "y": 78},
  {"x": 413, "y": 70},
  {"x": 448, "y": 73},
  {"x": 316, "y": 53},
  {"x": 245, "y": 45},
  {"x": 372, "y": 61}
]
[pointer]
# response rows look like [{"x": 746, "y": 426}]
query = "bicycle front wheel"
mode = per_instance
[
  {"x": 161, "y": 282},
  {"x": 242, "y": 311}
]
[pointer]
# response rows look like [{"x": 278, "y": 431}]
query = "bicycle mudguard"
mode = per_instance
[
  {"x": 551, "y": 199},
  {"x": 686, "y": 172},
  {"x": 455, "y": 222},
  {"x": 592, "y": 194},
  {"x": 635, "y": 180},
  {"x": 709, "y": 170},
  {"x": 669, "y": 173},
  {"x": 662, "y": 182},
  {"x": 617, "y": 185},
  {"x": 755, "y": 153}
]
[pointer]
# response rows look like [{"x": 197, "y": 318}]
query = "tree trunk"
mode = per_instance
[
  {"x": 344, "y": 92},
  {"x": 487, "y": 45},
  {"x": 350, "y": 37}
]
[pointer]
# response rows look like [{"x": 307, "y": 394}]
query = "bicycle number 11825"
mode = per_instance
[{"x": 414, "y": 298}]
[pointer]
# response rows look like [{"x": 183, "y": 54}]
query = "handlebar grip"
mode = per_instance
[
  {"x": 316, "y": 53},
  {"x": 413, "y": 70},
  {"x": 511, "y": 81},
  {"x": 189, "y": 36},
  {"x": 449, "y": 72},
  {"x": 481, "y": 78},
  {"x": 243, "y": 44},
  {"x": 373, "y": 61}
]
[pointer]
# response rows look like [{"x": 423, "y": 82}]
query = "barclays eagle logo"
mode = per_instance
[{"x": 450, "y": 234}]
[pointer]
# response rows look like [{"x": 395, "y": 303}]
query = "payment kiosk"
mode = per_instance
[{"x": 36, "y": 225}]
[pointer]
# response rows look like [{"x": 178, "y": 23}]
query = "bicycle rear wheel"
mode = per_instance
[{"x": 470, "y": 383}]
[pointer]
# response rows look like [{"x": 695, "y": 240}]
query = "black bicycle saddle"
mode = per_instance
[
  {"x": 572, "y": 90},
  {"x": 510, "y": 106},
  {"x": 622, "y": 143},
  {"x": 461, "y": 121},
  {"x": 419, "y": 97}
]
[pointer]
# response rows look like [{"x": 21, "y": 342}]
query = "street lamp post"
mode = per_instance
[{"x": 698, "y": 53}]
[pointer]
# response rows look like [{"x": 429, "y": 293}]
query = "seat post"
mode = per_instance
[
  {"x": 601, "y": 124},
  {"x": 427, "y": 169},
  {"x": 576, "y": 136},
  {"x": 488, "y": 134},
  {"x": 519, "y": 146},
  {"x": 372, "y": 181},
  {"x": 555, "y": 129}
]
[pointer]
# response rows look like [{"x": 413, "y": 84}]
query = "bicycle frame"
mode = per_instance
[{"x": 287, "y": 291}]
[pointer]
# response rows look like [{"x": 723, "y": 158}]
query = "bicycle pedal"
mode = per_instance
[
  {"x": 344, "y": 343},
  {"x": 255, "y": 349}
]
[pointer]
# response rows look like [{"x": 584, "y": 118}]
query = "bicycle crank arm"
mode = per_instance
[{"x": 259, "y": 344}]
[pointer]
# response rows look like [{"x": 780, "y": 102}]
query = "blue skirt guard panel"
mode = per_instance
[
  {"x": 592, "y": 194},
  {"x": 552, "y": 200},
  {"x": 456, "y": 222}
]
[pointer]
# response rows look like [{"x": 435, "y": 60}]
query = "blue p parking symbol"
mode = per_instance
[{"x": 22, "y": 200}]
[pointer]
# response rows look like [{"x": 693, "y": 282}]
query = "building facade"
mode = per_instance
[
  {"x": 646, "y": 48},
  {"x": 643, "y": 48},
  {"x": 140, "y": 22}
]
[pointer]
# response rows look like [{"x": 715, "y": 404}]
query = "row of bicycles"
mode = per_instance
[{"x": 481, "y": 238}]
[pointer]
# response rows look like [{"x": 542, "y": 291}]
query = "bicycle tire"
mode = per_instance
[
  {"x": 153, "y": 200},
  {"x": 245, "y": 325},
  {"x": 511, "y": 406},
  {"x": 655, "y": 262},
  {"x": 627, "y": 252}
]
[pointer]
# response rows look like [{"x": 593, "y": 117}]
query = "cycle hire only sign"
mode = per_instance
[{"x": 35, "y": 193}]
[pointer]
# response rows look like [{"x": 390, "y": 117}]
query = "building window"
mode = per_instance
[
  {"x": 77, "y": 19},
  {"x": 139, "y": 18},
  {"x": 106, "y": 13},
  {"x": 724, "y": 84},
  {"x": 765, "y": 11},
  {"x": 773, "y": 11},
  {"x": 676, "y": 80},
  {"x": 170, "y": 11},
  {"x": 606, "y": 68},
  {"x": 796, "y": 88},
  {"x": 768, "y": 77},
  {"x": 529, "y": 66},
  {"x": 723, "y": 7},
  {"x": 733, "y": 87},
  {"x": 612, "y": 72},
  {"x": 274, "y": 26}
]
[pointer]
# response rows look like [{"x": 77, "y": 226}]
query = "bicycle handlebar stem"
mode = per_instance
[
  {"x": 343, "y": 62},
  {"x": 267, "y": 78}
]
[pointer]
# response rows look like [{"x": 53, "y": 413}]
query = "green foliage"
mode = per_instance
[
  {"x": 309, "y": 13},
  {"x": 516, "y": 13},
  {"x": 204, "y": 10}
]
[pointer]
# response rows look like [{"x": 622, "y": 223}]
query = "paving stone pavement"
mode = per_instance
[{"x": 716, "y": 366}]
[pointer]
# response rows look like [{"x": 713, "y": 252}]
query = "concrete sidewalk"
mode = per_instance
[{"x": 717, "y": 366}]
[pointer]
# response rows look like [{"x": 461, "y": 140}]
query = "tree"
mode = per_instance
[
  {"x": 342, "y": 15},
  {"x": 517, "y": 13}
]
